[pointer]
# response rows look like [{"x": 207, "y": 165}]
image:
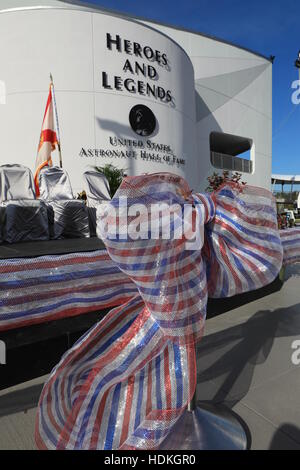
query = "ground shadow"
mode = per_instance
[
  {"x": 286, "y": 430},
  {"x": 292, "y": 270},
  {"x": 20, "y": 400},
  {"x": 232, "y": 354}
]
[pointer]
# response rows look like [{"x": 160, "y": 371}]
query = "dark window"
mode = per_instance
[{"x": 231, "y": 152}]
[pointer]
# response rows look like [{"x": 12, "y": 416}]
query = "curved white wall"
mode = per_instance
[
  {"x": 73, "y": 46},
  {"x": 229, "y": 90},
  {"x": 234, "y": 95}
]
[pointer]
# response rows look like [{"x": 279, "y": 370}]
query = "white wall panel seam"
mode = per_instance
[
  {"x": 93, "y": 62},
  {"x": 236, "y": 100}
]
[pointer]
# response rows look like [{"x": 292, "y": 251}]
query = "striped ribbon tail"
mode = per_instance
[
  {"x": 126, "y": 382},
  {"x": 290, "y": 240},
  {"x": 243, "y": 243}
]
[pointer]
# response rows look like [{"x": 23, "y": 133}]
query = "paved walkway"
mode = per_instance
[{"x": 244, "y": 362}]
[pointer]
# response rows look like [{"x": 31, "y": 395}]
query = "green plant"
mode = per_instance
[
  {"x": 216, "y": 180},
  {"x": 82, "y": 196},
  {"x": 114, "y": 176}
]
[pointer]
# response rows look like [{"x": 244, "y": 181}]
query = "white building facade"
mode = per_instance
[{"x": 143, "y": 96}]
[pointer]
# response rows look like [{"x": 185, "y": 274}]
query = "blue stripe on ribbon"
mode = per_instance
[
  {"x": 139, "y": 399},
  {"x": 66, "y": 302},
  {"x": 57, "y": 400},
  {"x": 100, "y": 350},
  {"x": 265, "y": 262},
  {"x": 250, "y": 206},
  {"x": 261, "y": 236},
  {"x": 291, "y": 241},
  {"x": 171, "y": 290},
  {"x": 112, "y": 375},
  {"x": 158, "y": 384},
  {"x": 112, "y": 418},
  {"x": 46, "y": 430},
  {"x": 178, "y": 374},
  {"x": 240, "y": 266},
  {"x": 225, "y": 286},
  {"x": 52, "y": 278},
  {"x": 158, "y": 391},
  {"x": 127, "y": 267},
  {"x": 180, "y": 322}
]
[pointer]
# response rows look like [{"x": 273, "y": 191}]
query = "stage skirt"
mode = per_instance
[
  {"x": 290, "y": 240},
  {"x": 40, "y": 289}
]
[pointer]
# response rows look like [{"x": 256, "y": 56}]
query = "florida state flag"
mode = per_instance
[{"x": 48, "y": 141}]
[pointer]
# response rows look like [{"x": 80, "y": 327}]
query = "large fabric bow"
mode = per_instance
[{"x": 124, "y": 384}]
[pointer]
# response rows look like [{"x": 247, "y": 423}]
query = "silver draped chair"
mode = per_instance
[
  {"x": 2, "y": 214},
  {"x": 2, "y": 218},
  {"x": 69, "y": 215},
  {"x": 22, "y": 216},
  {"x": 96, "y": 187}
]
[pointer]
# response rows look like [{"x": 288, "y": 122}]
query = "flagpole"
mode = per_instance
[{"x": 56, "y": 119}]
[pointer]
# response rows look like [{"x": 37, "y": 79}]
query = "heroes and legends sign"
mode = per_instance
[{"x": 147, "y": 69}]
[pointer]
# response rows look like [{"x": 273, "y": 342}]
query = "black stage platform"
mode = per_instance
[
  {"x": 50, "y": 247},
  {"x": 33, "y": 351}
]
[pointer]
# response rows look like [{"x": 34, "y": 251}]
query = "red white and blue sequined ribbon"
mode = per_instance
[
  {"x": 45, "y": 288},
  {"x": 290, "y": 240},
  {"x": 124, "y": 384}
]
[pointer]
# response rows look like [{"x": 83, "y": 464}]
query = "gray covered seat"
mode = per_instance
[
  {"x": 97, "y": 191},
  {"x": 23, "y": 217},
  {"x": 2, "y": 221},
  {"x": 69, "y": 215}
]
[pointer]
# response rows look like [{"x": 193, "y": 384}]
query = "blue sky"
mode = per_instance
[{"x": 270, "y": 27}]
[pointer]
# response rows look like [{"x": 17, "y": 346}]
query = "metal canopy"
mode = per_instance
[
  {"x": 229, "y": 144},
  {"x": 286, "y": 179}
]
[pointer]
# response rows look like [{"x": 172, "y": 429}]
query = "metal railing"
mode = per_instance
[{"x": 229, "y": 162}]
